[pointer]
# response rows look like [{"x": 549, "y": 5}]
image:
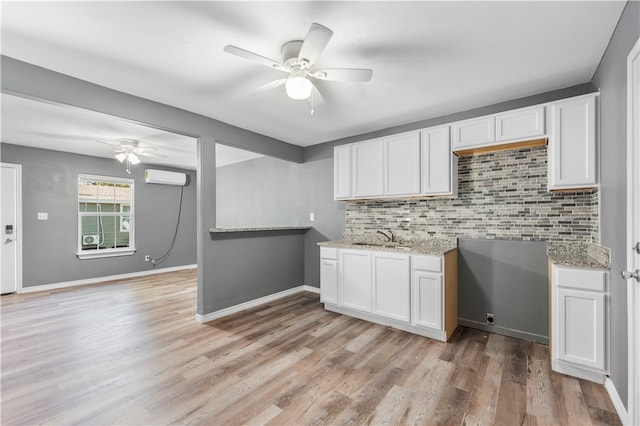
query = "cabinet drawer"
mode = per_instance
[
  {"x": 329, "y": 253},
  {"x": 427, "y": 263},
  {"x": 582, "y": 279}
]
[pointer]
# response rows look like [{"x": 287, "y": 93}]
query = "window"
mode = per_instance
[{"x": 105, "y": 217}]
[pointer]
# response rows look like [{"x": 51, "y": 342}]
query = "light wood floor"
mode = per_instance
[{"x": 131, "y": 352}]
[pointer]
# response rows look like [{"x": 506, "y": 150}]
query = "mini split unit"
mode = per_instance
[{"x": 164, "y": 177}]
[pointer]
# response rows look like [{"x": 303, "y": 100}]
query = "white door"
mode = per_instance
[
  {"x": 402, "y": 164},
  {"x": 633, "y": 230},
  {"x": 10, "y": 246},
  {"x": 426, "y": 296},
  {"x": 438, "y": 162},
  {"x": 342, "y": 172},
  {"x": 329, "y": 281},
  {"x": 391, "y": 285},
  {"x": 368, "y": 159},
  {"x": 580, "y": 327},
  {"x": 355, "y": 279}
]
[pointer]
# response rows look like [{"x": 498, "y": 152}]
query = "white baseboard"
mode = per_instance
[
  {"x": 255, "y": 302},
  {"x": 65, "y": 284},
  {"x": 617, "y": 402},
  {"x": 311, "y": 289}
]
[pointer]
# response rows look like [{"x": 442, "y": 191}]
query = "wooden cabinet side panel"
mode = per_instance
[{"x": 450, "y": 292}]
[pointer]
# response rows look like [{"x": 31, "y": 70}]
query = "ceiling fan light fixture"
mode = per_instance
[
  {"x": 298, "y": 87},
  {"x": 120, "y": 157}
]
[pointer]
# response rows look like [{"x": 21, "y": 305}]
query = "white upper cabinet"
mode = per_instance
[
  {"x": 439, "y": 165},
  {"x": 342, "y": 172},
  {"x": 402, "y": 164},
  {"x": 520, "y": 124},
  {"x": 572, "y": 144},
  {"x": 474, "y": 132},
  {"x": 368, "y": 162}
]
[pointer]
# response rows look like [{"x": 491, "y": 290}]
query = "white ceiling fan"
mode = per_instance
[
  {"x": 298, "y": 58},
  {"x": 129, "y": 151}
]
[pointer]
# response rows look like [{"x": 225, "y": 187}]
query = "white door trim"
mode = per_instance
[
  {"x": 633, "y": 231},
  {"x": 18, "y": 225}
]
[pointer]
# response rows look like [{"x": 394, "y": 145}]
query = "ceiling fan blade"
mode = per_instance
[
  {"x": 343, "y": 74},
  {"x": 150, "y": 154},
  {"x": 271, "y": 85},
  {"x": 245, "y": 54},
  {"x": 113, "y": 144},
  {"x": 314, "y": 42}
]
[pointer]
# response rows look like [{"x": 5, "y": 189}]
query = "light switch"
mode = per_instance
[
  {"x": 43, "y": 216},
  {"x": 312, "y": 217}
]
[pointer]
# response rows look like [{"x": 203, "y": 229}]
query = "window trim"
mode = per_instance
[{"x": 111, "y": 252}]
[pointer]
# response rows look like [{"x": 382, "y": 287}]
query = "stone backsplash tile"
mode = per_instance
[{"x": 501, "y": 195}]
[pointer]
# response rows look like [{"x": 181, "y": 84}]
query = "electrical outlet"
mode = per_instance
[
  {"x": 490, "y": 318},
  {"x": 147, "y": 258}
]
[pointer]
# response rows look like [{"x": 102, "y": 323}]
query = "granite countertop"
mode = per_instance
[
  {"x": 260, "y": 229},
  {"x": 432, "y": 246},
  {"x": 579, "y": 254}
]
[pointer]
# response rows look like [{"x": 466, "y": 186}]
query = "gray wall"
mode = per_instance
[
  {"x": 273, "y": 192},
  {"x": 50, "y": 184},
  {"x": 515, "y": 288},
  {"x": 260, "y": 192},
  {"x": 23, "y": 79},
  {"x": 611, "y": 79}
]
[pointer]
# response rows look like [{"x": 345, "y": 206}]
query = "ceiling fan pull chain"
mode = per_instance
[{"x": 312, "y": 103}]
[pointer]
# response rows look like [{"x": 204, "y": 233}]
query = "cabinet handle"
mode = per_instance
[{"x": 628, "y": 275}]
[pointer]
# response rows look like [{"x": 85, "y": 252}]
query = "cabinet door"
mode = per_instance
[
  {"x": 402, "y": 164},
  {"x": 391, "y": 284},
  {"x": 471, "y": 133},
  {"x": 426, "y": 296},
  {"x": 367, "y": 168},
  {"x": 355, "y": 279},
  {"x": 329, "y": 281},
  {"x": 521, "y": 124},
  {"x": 572, "y": 145},
  {"x": 439, "y": 171},
  {"x": 580, "y": 327},
  {"x": 342, "y": 172}
]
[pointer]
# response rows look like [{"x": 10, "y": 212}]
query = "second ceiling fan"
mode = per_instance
[{"x": 298, "y": 58}]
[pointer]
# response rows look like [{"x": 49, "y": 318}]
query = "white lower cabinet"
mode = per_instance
[
  {"x": 354, "y": 279},
  {"x": 579, "y": 322},
  {"x": 391, "y": 285},
  {"x": 328, "y": 277},
  {"x": 415, "y": 293},
  {"x": 427, "y": 299}
]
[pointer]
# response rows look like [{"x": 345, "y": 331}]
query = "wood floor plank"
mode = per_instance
[{"x": 129, "y": 352}]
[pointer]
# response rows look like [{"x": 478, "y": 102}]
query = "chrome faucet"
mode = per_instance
[{"x": 387, "y": 234}]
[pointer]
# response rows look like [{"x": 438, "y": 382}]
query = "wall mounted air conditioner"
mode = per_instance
[
  {"x": 90, "y": 240},
  {"x": 164, "y": 177}
]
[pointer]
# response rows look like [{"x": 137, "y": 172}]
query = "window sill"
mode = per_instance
[{"x": 105, "y": 253}]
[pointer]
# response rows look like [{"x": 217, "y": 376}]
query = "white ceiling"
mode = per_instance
[
  {"x": 428, "y": 58},
  {"x": 43, "y": 125}
]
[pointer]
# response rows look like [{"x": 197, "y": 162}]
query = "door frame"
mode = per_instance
[
  {"x": 18, "y": 230},
  {"x": 633, "y": 234}
]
